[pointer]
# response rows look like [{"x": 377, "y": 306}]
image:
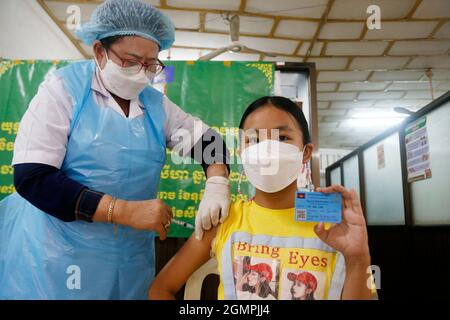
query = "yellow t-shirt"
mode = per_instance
[{"x": 266, "y": 254}]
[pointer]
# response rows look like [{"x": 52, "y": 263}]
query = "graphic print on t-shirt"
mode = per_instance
[
  {"x": 265, "y": 254},
  {"x": 256, "y": 278},
  {"x": 302, "y": 285},
  {"x": 277, "y": 269}
]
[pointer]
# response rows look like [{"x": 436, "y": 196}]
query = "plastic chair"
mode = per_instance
[{"x": 193, "y": 288}]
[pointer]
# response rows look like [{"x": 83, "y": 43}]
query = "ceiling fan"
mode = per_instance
[{"x": 235, "y": 46}]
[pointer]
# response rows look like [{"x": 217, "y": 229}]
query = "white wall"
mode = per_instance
[
  {"x": 328, "y": 157},
  {"x": 27, "y": 32}
]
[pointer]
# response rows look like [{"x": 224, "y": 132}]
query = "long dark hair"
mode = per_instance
[
  {"x": 284, "y": 104},
  {"x": 264, "y": 289}
]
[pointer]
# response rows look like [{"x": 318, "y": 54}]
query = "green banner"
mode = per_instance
[
  {"x": 216, "y": 92},
  {"x": 19, "y": 82}
]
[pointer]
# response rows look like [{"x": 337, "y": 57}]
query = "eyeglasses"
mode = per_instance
[{"x": 135, "y": 66}]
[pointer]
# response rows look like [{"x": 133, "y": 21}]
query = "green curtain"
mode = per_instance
[{"x": 217, "y": 92}]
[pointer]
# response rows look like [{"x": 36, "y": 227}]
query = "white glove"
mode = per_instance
[{"x": 214, "y": 206}]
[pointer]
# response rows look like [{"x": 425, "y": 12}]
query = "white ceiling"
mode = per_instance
[{"x": 361, "y": 73}]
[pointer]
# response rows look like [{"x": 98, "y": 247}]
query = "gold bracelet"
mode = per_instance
[{"x": 111, "y": 209}]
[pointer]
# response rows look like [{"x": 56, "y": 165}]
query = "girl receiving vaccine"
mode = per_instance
[{"x": 262, "y": 239}]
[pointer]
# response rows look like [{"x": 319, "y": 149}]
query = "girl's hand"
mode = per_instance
[
  {"x": 241, "y": 280},
  {"x": 350, "y": 236}
]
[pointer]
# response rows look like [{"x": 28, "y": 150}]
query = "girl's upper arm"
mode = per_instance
[{"x": 177, "y": 271}]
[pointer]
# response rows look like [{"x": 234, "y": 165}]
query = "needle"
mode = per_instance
[{"x": 183, "y": 224}]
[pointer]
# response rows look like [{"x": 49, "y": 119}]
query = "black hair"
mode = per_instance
[
  {"x": 264, "y": 289},
  {"x": 284, "y": 104},
  {"x": 309, "y": 296},
  {"x": 109, "y": 41}
]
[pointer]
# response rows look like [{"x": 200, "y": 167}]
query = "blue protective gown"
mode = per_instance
[{"x": 42, "y": 257}]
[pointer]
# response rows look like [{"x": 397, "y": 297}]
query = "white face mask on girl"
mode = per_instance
[
  {"x": 272, "y": 165},
  {"x": 124, "y": 82}
]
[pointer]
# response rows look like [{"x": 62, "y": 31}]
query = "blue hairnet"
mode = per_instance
[{"x": 128, "y": 17}]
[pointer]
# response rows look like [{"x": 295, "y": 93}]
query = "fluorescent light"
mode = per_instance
[
  {"x": 374, "y": 122},
  {"x": 376, "y": 114},
  {"x": 376, "y": 118}
]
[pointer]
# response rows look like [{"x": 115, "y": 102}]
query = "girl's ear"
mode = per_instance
[{"x": 307, "y": 154}]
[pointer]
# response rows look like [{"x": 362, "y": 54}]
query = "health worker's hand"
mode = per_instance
[
  {"x": 151, "y": 215},
  {"x": 214, "y": 206}
]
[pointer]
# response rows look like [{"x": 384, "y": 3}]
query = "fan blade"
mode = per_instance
[
  {"x": 234, "y": 28},
  {"x": 213, "y": 54},
  {"x": 250, "y": 50}
]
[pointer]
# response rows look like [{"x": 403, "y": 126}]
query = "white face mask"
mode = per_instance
[
  {"x": 271, "y": 165},
  {"x": 124, "y": 82}
]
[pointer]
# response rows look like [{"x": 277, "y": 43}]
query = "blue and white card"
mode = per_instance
[{"x": 318, "y": 207}]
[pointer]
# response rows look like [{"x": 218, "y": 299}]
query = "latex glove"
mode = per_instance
[{"x": 214, "y": 206}]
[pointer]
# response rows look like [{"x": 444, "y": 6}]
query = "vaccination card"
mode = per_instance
[{"x": 318, "y": 207}]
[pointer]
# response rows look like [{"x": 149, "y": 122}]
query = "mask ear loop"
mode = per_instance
[
  {"x": 107, "y": 58},
  {"x": 310, "y": 185},
  {"x": 300, "y": 180},
  {"x": 302, "y": 171}
]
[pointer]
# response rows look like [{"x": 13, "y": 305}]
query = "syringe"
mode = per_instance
[{"x": 183, "y": 224}]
